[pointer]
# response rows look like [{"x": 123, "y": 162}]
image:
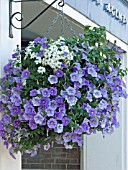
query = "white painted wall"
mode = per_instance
[{"x": 6, "y": 48}]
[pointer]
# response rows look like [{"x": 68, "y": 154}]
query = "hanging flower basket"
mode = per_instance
[{"x": 56, "y": 91}]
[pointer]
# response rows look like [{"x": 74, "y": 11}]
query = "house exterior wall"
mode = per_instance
[{"x": 96, "y": 12}]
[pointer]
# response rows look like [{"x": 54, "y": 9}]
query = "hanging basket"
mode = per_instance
[{"x": 56, "y": 91}]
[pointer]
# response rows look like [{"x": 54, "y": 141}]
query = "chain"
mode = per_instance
[
  {"x": 52, "y": 25},
  {"x": 70, "y": 26},
  {"x": 63, "y": 18},
  {"x": 62, "y": 22}
]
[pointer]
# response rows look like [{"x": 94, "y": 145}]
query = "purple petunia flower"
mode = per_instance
[
  {"x": 115, "y": 96},
  {"x": 6, "y": 143},
  {"x": 2, "y": 133},
  {"x": 67, "y": 137},
  {"x": 49, "y": 112},
  {"x": 84, "y": 44},
  {"x": 76, "y": 49},
  {"x": 15, "y": 110},
  {"x": 75, "y": 77},
  {"x": 8, "y": 68},
  {"x": 71, "y": 100},
  {"x": 52, "y": 123},
  {"x": 14, "y": 55},
  {"x": 59, "y": 73},
  {"x": 33, "y": 153},
  {"x": 78, "y": 130},
  {"x": 59, "y": 99},
  {"x": 32, "y": 125},
  {"x": 89, "y": 97},
  {"x": 36, "y": 101},
  {"x": 85, "y": 126},
  {"x": 16, "y": 70},
  {"x": 61, "y": 105},
  {"x": 65, "y": 53},
  {"x": 38, "y": 118},
  {"x": 109, "y": 79},
  {"x": 92, "y": 112},
  {"x": 19, "y": 86},
  {"x": 92, "y": 72},
  {"x": 29, "y": 109},
  {"x": 44, "y": 101},
  {"x": 79, "y": 140},
  {"x": 53, "y": 79},
  {"x": 33, "y": 92},
  {"x": 15, "y": 98},
  {"x": 16, "y": 123},
  {"x": 25, "y": 74},
  {"x": 84, "y": 106},
  {"x": 97, "y": 94},
  {"x": 78, "y": 94},
  {"x": 40, "y": 54},
  {"x": 53, "y": 91},
  {"x": 93, "y": 122},
  {"x": 45, "y": 92},
  {"x": 11, "y": 153},
  {"x": 43, "y": 40},
  {"x": 65, "y": 121},
  {"x": 47, "y": 147},
  {"x": 44, "y": 45},
  {"x": 63, "y": 65},
  {"x": 53, "y": 105},
  {"x": 104, "y": 93},
  {"x": 37, "y": 40},
  {"x": 1, "y": 125},
  {"x": 18, "y": 80},
  {"x": 103, "y": 104},
  {"x": 26, "y": 117},
  {"x": 63, "y": 93},
  {"x": 6, "y": 119},
  {"x": 71, "y": 91},
  {"x": 4, "y": 99},
  {"x": 119, "y": 49},
  {"x": 84, "y": 56},
  {"x": 81, "y": 35},
  {"x": 58, "y": 115},
  {"x": 63, "y": 111}
]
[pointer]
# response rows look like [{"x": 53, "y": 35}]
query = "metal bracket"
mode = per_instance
[{"x": 11, "y": 16}]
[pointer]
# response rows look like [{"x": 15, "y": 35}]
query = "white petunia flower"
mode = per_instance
[
  {"x": 38, "y": 60},
  {"x": 33, "y": 55},
  {"x": 41, "y": 70}
]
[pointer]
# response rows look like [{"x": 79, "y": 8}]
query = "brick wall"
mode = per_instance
[{"x": 57, "y": 158}]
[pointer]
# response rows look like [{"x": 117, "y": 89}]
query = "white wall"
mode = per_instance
[{"x": 6, "y": 48}]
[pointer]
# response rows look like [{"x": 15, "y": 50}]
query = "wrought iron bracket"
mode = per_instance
[{"x": 12, "y": 15}]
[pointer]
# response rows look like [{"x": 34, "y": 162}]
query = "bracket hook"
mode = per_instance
[
  {"x": 11, "y": 16},
  {"x": 61, "y": 3}
]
